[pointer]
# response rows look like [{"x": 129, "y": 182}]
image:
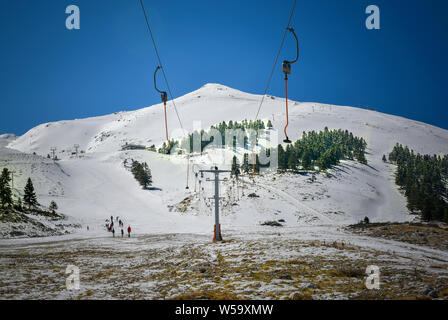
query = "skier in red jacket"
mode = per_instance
[{"x": 129, "y": 231}]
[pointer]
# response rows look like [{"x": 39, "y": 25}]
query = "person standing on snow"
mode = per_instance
[
  {"x": 129, "y": 231},
  {"x": 113, "y": 233},
  {"x": 122, "y": 232}
]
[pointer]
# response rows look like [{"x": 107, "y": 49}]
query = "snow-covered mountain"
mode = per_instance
[{"x": 96, "y": 185}]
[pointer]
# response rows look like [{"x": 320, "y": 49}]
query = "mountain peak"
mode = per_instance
[
  {"x": 212, "y": 84},
  {"x": 217, "y": 89},
  {"x": 216, "y": 86}
]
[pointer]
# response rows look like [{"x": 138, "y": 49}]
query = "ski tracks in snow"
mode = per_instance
[{"x": 296, "y": 202}]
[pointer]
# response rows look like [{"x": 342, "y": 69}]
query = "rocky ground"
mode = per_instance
[
  {"x": 425, "y": 234},
  {"x": 265, "y": 265},
  {"x": 39, "y": 223}
]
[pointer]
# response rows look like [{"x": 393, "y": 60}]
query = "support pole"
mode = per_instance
[
  {"x": 287, "y": 114},
  {"x": 166, "y": 128},
  {"x": 217, "y": 236},
  {"x": 195, "y": 181},
  {"x": 76, "y": 146},
  {"x": 253, "y": 165},
  {"x": 53, "y": 151},
  {"x": 12, "y": 183},
  {"x": 188, "y": 171},
  {"x": 217, "y": 227}
]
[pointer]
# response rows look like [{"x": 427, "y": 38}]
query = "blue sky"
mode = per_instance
[{"x": 48, "y": 73}]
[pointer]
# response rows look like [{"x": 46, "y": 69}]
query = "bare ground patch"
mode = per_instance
[
  {"x": 431, "y": 235},
  {"x": 176, "y": 267}
]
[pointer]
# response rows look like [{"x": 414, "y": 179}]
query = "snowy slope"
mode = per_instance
[
  {"x": 97, "y": 185},
  {"x": 48, "y": 176},
  {"x": 214, "y": 103}
]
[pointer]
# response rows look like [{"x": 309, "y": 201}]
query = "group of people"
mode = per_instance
[{"x": 110, "y": 226}]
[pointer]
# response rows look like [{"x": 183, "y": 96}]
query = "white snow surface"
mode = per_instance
[{"x": 96, "y": 185}]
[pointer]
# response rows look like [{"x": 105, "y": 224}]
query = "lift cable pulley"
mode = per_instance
[
  {"x": 273, "y": 70},
  {"x": 166, "y": 82},
  {"x": 164, "y": 98},
  {"x": 163, "y": 94},
  {"x": 275, "y": 61},
  {"x": 286, "y": 68}
]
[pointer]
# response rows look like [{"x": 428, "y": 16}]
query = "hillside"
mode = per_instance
[
  {"x": 95, "y": 185},
  {"x": 310, "y": 254},
  {"x": 214, "y": 103}
]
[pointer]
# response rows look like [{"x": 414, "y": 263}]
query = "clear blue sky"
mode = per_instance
[{"x": 48, "y": 73}]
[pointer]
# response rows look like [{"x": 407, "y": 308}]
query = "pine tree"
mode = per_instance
[
  {"x": 147, "y": 176},
  {"x": 361, "y": 157},
  {"x": 306, "y": 160},
  {"x": 18, "y": 205},
  {"x": 427, "y": 209},
  {"x": 422, "y": 178},
  {"x": 384, "y": 158},
  {"x": 292, "y": 161},
  {"x": 53, "y": 207},
  {"x": 245, "y": 166},
  {"x": 142, "y": 173},
  {"x": 325, "y": 161},
  {"x": 282, "y": 160},
  {"x": 5, "y": 189},
  {"x": 269, "y": 125},
  {"x": 413, "y": 199},
  {"x": 164, "y": 148},
  {"x": 257, "y": 164},
  {"x": 235, "y": 167},
  {"x": 29, "y": 197}
]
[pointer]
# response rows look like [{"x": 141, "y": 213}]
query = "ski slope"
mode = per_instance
[{"x": 96, "y": 185}]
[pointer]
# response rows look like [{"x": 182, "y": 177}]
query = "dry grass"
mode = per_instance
[
  {"x": 415, "y": 233},
  {"x": 204, "y": 270},
  {"x": 349, "y": 271},
  {"x": 207, "y": 295}
]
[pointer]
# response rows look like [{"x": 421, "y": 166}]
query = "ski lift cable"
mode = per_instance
[
  {"x": 166, "y": 79},
  {"x": 160, "y": 62},
  {"x": 286, "y": 68},
  {"x": 164, "y": 98},
  {"x": 276, "y": 60},
  {"x": 270, "y": 77}
]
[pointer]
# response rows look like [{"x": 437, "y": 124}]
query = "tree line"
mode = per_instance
[
  {"x": 27, "y": 203},
  {"x": 206, "y": 137},
  {"x": 239, "y": 134},
  {"x": 323, "y": 149},
  {"x": 423, "y": 179}
]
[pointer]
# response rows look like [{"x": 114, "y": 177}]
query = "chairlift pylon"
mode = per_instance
[
  {"x": 164, "y": 98},
  {"x": 286, "y": 68}
]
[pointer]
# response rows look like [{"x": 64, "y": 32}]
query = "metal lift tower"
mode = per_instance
[{"x": 217, "y": 229}]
